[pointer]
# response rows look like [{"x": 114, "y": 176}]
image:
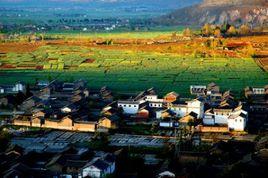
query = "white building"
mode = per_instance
[
  {"x": 235, "y": 119},
  {"x": 198, "y": 89},
  {"x": 130, "y": 106},
  {"x": 182, "y": 110},
  {"x": 154, "y": 101},
  {"x": 2, "y": 90},
  {"x": 99, "y": 168},
  {"x": 238, "y": 121},
  {"x": 258, "y": 91},
  {"x": 216, "y": 116}
]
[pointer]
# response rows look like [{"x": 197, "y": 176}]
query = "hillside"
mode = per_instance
[{"x": 253, "y": 12}]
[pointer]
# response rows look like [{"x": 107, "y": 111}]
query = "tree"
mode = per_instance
[
  {"x": 232, "y": 31},
  {"x": 187, "y": 32},
  {"x": 207, "y": 30},
  {"x": 244, "y": 30},
  {"x": 217, "y": 33},
  {"x": 225, "y": 27}
]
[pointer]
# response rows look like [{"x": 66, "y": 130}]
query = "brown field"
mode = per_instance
[{"x": 182, "y": 47}]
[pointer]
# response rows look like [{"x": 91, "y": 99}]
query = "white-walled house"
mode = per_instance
[
  {"x": 216, "y": 116},
  {"x": 198, "y": 89},
  {"x": 16, "y": 88},
  {"x": 238, "y": 121},
  {"x": 235, "y": 119},
  {"x": 99, "y": 167},
  {"x": 182, "y": 110},
  {"x": 130, "y": 106},
  {"x": 154, "y": 101}
]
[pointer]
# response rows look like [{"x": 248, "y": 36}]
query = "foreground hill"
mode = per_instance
[{"x": 253, "y": 12}]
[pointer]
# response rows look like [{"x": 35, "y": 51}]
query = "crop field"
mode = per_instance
[{"x": 129, "y": 71}]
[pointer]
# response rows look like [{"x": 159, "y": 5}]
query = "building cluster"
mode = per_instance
[
  {"x": 66, "y": 106},
  {"x": 211, "y": 110},
  {"x": 72, "y": 162},
  {"x": 72, "y": 106}
]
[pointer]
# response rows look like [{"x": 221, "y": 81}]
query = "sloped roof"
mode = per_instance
[{"x": 100, "y": 164}]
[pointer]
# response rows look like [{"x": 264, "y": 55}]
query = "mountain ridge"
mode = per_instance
[{"x": 236, "y": 12}]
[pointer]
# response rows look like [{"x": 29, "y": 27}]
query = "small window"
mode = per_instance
[
  {"x": 240, "y": 120},
  {"x": 129, "y": 105},
  {"x": 125, "y": 105},
  {"x": 135, "y": 106}
]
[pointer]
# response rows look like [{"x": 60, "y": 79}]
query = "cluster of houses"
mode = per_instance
[
  {"x": 12, "y": 89},
  {"x": 211, "y": 110},
  {"x": 73, "y": 162},
  {"x": 66, "y": 106}
]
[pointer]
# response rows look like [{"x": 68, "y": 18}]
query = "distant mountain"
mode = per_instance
[
  {"x": 160, "y": 4},
  {"x": 253, "y": 12}
]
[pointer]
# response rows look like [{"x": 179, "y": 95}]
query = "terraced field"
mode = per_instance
[{"x": 132, "y": 71}]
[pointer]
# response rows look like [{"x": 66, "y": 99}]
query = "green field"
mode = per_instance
[{"x": 128, "y": 71}]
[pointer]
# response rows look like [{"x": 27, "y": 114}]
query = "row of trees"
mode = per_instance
[{"x": 225, "y": 30}]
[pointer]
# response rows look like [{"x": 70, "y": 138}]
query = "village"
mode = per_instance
[{"x": 73, "y": 131}]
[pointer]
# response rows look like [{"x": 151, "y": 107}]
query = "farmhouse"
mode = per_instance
[
  {"x": 130, "y": 106},
  {"x": 109, "y": 122},
  {"x": 253, "y": 91},
  {"x": 162, "y": 114},
  {"x": 198, "y": 89},
  {"x": 238, "y": 120},
  {"x": 12, "y": 89},
  {"x": 85, "y": 126},
  {"x": 65, "y": 123},
  {"x": 183, "y": 108},
  {"x": 99, "y": 167},
  {"x": 235, "y": 119},
  {"x": 22, "y": 121}
]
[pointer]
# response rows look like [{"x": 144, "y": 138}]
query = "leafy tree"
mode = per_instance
[
  {"x": 244, "y": 30},
  {"x": 225, "y": 27},
  {"x": 187, "y": 32},
  {"x": 232, "y": 31},
  {"x": 207, "y": 30},
  {"x": 217, "y": 33}
]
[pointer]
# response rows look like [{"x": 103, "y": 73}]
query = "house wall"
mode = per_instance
[
  {"x": 85, "y": 127},
  {"x": 151, "y": 98},
  {"x": 36, "y": 122},
  {"x": 192, "y": 106},
  {"x": 50, "y": 124},
  {"x": 155, "y": 105},
  {"x": 39, "y": 114},
  {"x": 20, "y": 122},
  {"x": 129, "y": 108},
  {"x": 221, "y": 119},
  {"x": 91, "y": 171},
  {"x": 166, "y": 124},
  {"x": 180, "y": 111},
  {"x": 212, "y": 129},
  {"x": 237, "y": 124},
  {"x": 106, "y": 123},
  {"x": 209, "y": 121}
]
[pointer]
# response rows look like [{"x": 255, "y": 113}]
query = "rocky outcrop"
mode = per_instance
[{"x": 237, "y": 12}]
